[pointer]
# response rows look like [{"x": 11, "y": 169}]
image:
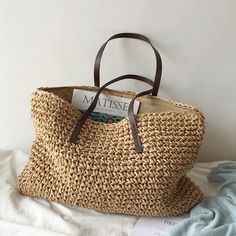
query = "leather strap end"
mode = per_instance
[
  {"x": 74, "y": 136},
  {"x": 138, "y": 145},
  {"x": 136, "y": 137}
]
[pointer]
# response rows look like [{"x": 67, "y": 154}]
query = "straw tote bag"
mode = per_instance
[{"x": 136, "y": 166}]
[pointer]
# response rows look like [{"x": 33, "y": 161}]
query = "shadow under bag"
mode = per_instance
[{"x": 136, "y": 166}]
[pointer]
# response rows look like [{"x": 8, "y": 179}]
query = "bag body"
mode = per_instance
[{"x": 103, "y": 170}]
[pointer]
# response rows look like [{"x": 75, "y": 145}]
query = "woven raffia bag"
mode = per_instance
[{"x": 137, "y": 166}]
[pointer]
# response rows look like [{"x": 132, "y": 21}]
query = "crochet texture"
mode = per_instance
[{"x": 102, "y": 170}]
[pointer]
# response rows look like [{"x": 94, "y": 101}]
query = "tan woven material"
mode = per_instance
[{"x": 102, "y": 170}]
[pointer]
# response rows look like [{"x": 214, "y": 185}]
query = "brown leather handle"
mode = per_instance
[
  {"x": 132, "y": 121},
  {"x": 97, "y": 64}
]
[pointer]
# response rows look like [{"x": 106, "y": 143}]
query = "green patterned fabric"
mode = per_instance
[{"x": 105, "y": 118}]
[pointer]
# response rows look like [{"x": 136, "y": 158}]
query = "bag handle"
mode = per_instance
[
  {"x": 132, "y": 121},
  {"x": 97, "y": 63}
]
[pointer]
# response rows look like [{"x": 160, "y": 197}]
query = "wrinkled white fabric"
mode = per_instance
[{"x": 23, "y": 215}]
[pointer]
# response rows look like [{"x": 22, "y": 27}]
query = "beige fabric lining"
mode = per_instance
[{"x": 148, "y": 104}]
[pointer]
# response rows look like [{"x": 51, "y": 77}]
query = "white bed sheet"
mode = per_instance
[{"x": 23, "y": 215}]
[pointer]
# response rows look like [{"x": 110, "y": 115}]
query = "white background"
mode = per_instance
[{"x": 54, "y": 43}]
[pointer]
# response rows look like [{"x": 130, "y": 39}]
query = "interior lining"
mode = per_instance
[{"x": 148, "y": 104}]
